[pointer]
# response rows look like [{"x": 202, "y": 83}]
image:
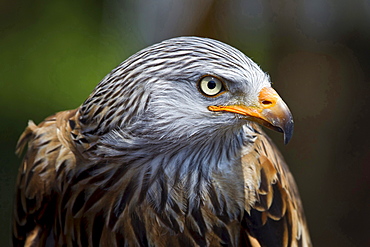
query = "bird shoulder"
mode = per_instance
[
  {"x": 47, "y": 160},
  {"x": 274, "y": 215}
]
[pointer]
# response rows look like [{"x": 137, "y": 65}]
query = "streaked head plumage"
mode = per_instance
[{"x": 160, "y": 86}]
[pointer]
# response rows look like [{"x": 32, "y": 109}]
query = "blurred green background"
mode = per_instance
[{"x": 53, "y": 53}]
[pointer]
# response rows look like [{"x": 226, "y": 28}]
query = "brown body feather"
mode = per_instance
[{"x": 56, "y": 206}]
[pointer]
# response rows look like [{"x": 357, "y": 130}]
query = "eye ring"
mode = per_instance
[{"x": 211, "y": 86}]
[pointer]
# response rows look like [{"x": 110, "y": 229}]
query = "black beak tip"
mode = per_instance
[{"x": 288, "y": 131}]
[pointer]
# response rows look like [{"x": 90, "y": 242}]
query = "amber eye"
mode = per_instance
[{"x": 211, "y": 86}]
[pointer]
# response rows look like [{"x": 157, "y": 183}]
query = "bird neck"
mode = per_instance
[
  {"x": 203, "y": 152},
  {"x": 167, "y": 172}
]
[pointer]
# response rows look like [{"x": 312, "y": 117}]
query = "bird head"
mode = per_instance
[{"x": 185, "y": 87}]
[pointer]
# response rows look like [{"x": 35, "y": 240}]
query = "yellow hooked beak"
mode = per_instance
[{"x": 270, "y": 111}]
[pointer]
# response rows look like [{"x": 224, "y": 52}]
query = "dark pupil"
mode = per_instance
[{"x": 211, "y": 84}]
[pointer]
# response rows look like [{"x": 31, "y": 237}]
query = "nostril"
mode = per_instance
[{"x": 266, "y": 102}]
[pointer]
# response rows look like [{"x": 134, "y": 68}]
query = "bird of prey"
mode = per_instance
[{"x": 166, "y": 151}]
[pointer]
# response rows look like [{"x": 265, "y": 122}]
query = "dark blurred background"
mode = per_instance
[{"x": 53, "y": 53}]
